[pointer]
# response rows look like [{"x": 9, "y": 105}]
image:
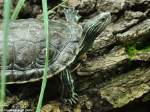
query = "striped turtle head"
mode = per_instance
[{"x": 93, "y": 27}]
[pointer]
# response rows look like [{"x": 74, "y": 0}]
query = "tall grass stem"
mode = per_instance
[
  {"x": 51, "y": 10},
  {"x": 45, "y": 15},
  {"x": 5, "y": 24},
  {"x": 17, "y": 9}
]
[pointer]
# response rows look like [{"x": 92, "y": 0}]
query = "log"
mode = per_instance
[{"x": 114, "y": 75}]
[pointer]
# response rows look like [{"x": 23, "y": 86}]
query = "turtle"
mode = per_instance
[{"x": 68, "y": 40}]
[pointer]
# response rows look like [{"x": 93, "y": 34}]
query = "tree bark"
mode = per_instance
[{"x": 117, "y": 70}]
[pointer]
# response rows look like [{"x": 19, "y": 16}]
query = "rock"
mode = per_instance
[
  {"x": 141, "y": 56},
  {"x": 123, "y": 89},
  {"x": 113, "y": 6},
  {"x": 22, "y": 105},
  {"x": 129, "y": 15},
  {"x": 51, "y": 107},
  {"x": 140, "y": 31},
  {"x": 85, "y": 7},
  {"x": 112, "y": 60}
]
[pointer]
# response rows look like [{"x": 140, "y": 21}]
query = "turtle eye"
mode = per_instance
[{"x": 103, "y": 19}]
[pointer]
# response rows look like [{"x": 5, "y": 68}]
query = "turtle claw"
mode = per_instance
[
  {"x": 68, "y": 95},
  {"x": 72, "y": 100}
]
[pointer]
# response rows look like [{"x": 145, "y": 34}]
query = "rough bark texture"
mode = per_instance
[
  {"x": 110, "y": 71},
  {"x": 112, "y": 76}
]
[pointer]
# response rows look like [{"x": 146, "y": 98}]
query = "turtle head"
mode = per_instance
[{"x": 93, "y": 27}]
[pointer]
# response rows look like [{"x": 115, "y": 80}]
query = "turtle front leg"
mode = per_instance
[{"x": 68, "y": 92}]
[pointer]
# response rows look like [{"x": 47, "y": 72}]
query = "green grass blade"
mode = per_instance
[
  {"x": 51, "y": 10},
  {"x": 45, "y": 15},
  {"x": 6, "y": 14},
  {"x": 17, "y": 9}
]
